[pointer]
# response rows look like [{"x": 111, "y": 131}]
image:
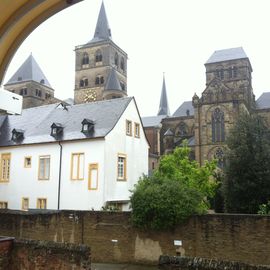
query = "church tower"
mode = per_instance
[
  {"x": 101, "y": 66},
  {"x": 228, "y": 92},
  {"x": 30, "y": 82}
]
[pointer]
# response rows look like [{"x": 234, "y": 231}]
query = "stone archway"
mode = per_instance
[{"x": 18, "y": 19}]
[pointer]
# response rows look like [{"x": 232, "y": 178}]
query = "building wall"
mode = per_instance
[
  {"x": 136, "y": 152},
  {"x": 243, "y": 238}
]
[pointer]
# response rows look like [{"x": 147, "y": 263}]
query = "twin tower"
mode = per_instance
[{"x": 100, "y": 72}]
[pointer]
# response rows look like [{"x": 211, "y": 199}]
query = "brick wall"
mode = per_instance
[
  {"x": 244, "y": 238},
  {"x": 43, "y": 255}
]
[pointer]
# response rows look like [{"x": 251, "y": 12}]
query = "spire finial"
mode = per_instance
[{"x": 163, "y": 105}]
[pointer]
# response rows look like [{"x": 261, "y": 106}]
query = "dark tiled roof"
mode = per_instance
[
  {"x": 163, "y": 105},
  {"x": 36, "y": 122},
  {"x": 152, "y": 121},
  {"x": 263, "y": 102},
  {"x": 227, "y": 54},
  {"x": 113, "y": 81},
  {"x": 103, "y": 31},
  {"x": 29, "y": 71},
  {"x": 184, "y": 108}
]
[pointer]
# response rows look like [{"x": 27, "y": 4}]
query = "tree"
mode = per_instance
[
  {"x": 177, "y": 190},
  {"x": 247, "y": 172}
]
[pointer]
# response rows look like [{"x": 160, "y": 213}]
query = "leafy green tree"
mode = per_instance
[
  {"x": 247, "y": 172},
  {"x": 177, "y": 190}
]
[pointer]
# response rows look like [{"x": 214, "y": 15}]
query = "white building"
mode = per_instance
[{"x": 82, "y": 157}]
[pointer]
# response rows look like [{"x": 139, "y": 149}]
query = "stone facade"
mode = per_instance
[
  {"x": 94, "y": 62},
  {"x": 206, "y": 121},
  {"x": 34, "y": 93}
]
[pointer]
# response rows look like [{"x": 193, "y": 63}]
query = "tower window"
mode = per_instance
[
  {"x": 85, "y": 59},
  {"x": 116, "y": 59},
  {"x": 218, "y": 134},
  {"x": 98, "y": 56},
  {"x": 220, "y": 73},
  {"x": 122, "y": 65},
  {"x": 38, "y": 93},
  {"x": 23, "y": 92},
  {"x": 84, "y": 82},
  {"x": 232, "y": 72},
  {"x": 123, "y": 87},
  {"x": 99, "y": 80}
]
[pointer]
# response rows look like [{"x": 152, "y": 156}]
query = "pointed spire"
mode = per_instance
[
  {"x": 29, "y": 71},
  {"x": 103, "y": 30},
  {"x": 163, "y": 105},
  {"x": 113, "y": 81}
]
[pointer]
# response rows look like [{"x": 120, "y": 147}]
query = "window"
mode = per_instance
[
  {"x": 5, "y": 167},
  {"x": 77, "y": 166},
  {"x": 234, "y": 72},
  {"x": 121, "y": 167},
  {"x": 42, "y": 203},
  {"x": 23, "y": 92},
  {"x": 38, "y": 93},
  {"x": 85, "y": 59},
  {"x": 93, "y": 176},
  {"x": 42, "y": 81},
  {"x": 122, "y": 64},
  {"x": 47, "y": 95},
  {"x": 137, "y": 130},
  {"x": 220, "y": 73},
  {"x": 99, "y": 80},
  {"x": 116, "y": 59},
  {"x": 219, "y": 155},
  {"x": 128, "y": 127},
  {"x": 27, "y": 162},
  {"x": 3, "y": 205},
  {"x": 218, "y": 134},
  {"x": 25, "y": 203},
  {"x": 44, "y": 168},
  {"x": 123, "y": 86},
  {"x": 84, "y": 82},
  {"x": 98, "y": 56},
  {"x": 19, "y": 78}
]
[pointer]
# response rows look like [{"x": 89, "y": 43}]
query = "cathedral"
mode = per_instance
[{"x": 204, "y": 121}]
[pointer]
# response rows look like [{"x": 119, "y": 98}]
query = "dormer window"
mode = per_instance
[
  {"x": 42, "y": 81},
  {"x": 56, "y": 129},
  {"x": 17, "y": 134},
  {"x": 87, "y": 125}
]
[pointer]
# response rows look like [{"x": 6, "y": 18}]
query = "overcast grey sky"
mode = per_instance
[{"x": 172, "y": 36}]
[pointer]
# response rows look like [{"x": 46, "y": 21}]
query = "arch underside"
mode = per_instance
[{"x": 18, "y": 19}]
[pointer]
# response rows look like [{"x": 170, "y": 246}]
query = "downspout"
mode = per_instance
[
  {"x": 199, "y": 121},
  {"x": 60, "y": 173}
]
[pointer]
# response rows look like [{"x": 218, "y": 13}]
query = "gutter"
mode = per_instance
[{"x": 60, "y": 173}]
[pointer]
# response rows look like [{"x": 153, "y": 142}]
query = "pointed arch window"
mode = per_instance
[
  {"x": 98, "y": 56},
  {"x": 85, "y": 59},
  {"x": 122, "y": 64},
  {"x": 219, "y": 156},
  {"x": 116, "y": 59},
  {"x": 218, "y": 133}
]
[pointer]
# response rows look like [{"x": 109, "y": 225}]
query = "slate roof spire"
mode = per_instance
[
  {"x": 113, "y": 81},
  {"x": 29, "y": 71},
  {"x": 163, "y": 105},
  {"x": 103, "y": 31}
]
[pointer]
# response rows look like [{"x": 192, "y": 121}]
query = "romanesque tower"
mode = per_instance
[
  {"x": 30, "y": 82},
  {"x": 101, "y": 66},
  {"x": 228, "y": 92}
]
